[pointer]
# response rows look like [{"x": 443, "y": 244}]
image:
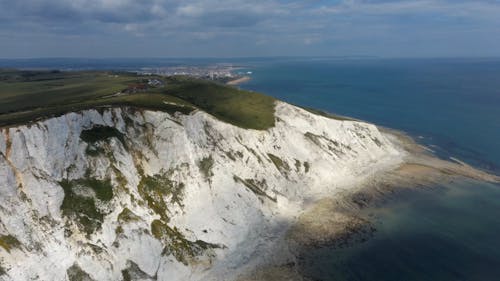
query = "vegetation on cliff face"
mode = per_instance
[
  {"x": 307, "y": 166},
  {"x": 75, "y": 273},
  {"x": 158, "y": 191},
  {"x": 101, "y": 133},
  {"x": 98, "y": 134},
  {"x": 281, "y": 165},
  {"x": 9, "y": 242},
  {"x": 79, "y": 202},
  {"x": 127, "y": 216},
  {"x": 2, "y": 270},
  {"x": 327, "y": 144},
  {"x": 31, "y": 95},
  {"x": 176, "y": 244},
  {"x": 257, "y": 187},
  {"x": 205, "y": 166},
  {"x": 134, "y": 272}
]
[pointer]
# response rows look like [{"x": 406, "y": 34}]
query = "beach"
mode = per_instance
[{"x": 239, "y": 80}]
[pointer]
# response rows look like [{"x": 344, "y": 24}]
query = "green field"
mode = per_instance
[{"x": 27, "y": 96}]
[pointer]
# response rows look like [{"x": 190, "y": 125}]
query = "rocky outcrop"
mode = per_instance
[{"x": 125, "y": 194}]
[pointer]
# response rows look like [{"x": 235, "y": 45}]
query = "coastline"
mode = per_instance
[
  {"x": 417, "y": 173},
  {"x": 239, "y": 81},
  {"x": 335, "y": 221}
]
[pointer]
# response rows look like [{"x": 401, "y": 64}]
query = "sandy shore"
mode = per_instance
[
  {"x": 239, "y": 81},
  {"x": 336, "y": 221}
]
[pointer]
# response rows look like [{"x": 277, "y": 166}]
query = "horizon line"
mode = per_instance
[{"x": 253, "y": 57}]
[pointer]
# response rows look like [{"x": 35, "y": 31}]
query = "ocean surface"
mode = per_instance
[
  {"x": 451, "y": 105},
  {"x": 448, "y": 232}
]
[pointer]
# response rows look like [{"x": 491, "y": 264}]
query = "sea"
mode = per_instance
[
  {"x": 451, "y": 105},
  {"x": 448, "y": 232}
]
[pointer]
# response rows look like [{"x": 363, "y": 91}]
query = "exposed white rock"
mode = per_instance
[{"x": 253, "y": 184}]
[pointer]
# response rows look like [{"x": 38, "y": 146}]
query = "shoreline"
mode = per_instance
[
  {"x": 239, "y": 81},
  {"x": 336, "y": 221}
]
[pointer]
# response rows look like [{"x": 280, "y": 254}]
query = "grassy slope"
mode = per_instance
[
  {"x": 31, "y": 95},
  {"x": 242, "y": 108}
]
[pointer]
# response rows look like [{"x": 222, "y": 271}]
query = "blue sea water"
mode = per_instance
[
  {"x": 450, "y": 232},
  {"x": 447, "y": 233},
  {"x": 451, "y": 105}
]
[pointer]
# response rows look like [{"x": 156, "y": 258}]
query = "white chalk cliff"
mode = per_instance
[{"x": 145, "y": 195}]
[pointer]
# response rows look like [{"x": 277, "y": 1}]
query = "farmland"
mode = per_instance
[{"x": 27, "y": 96}]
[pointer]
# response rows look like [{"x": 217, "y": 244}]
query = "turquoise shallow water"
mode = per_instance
[{"x": 452, "y": 105}]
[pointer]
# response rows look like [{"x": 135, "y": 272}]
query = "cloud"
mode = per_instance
[
  {"x": 76, "y": 11},
  {"x": 479, "y": 9},
  {"x": 260, "y": 26},
  {"x": 190, "y": 10}
]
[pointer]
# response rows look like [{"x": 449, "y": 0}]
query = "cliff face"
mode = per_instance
[{"x": 124, "y": 194}]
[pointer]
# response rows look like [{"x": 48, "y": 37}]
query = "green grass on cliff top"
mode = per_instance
[{"x": 27, "y": 96}]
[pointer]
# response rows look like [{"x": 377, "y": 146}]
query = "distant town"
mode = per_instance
[{"x": 219, "y": 73}]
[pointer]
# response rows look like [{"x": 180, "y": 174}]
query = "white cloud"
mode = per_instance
[
  {"x": 131, "y": 27},
  {"x": 190, "y": 10},
  {"x": 274, "y": 24},
  {"x": 158, "y": 10},
  {"x": 474, "y": 9}
]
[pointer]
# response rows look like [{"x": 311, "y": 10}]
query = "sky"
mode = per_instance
[{"x": 246, "y": 28}]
